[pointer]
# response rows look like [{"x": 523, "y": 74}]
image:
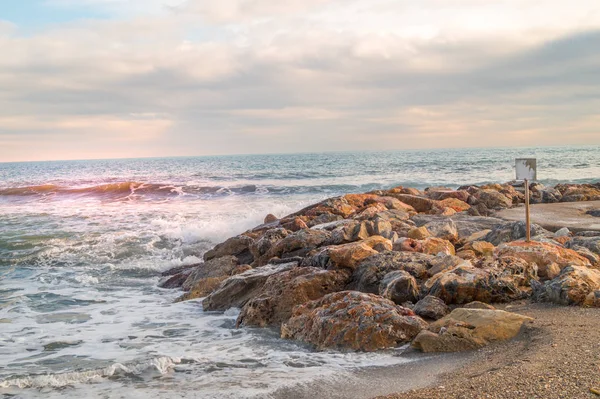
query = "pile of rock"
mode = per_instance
[{"x": 371, "y": 271}]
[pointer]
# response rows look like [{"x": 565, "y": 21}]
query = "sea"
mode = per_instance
[{"x": 83, "y": 243}]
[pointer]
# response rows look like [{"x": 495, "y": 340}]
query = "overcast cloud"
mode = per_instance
[{"x": 130, "y": 78}]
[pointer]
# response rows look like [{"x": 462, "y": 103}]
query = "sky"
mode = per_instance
[{"x": 86, "y": 79}]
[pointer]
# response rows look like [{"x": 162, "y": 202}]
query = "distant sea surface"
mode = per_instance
[{"x": 82, "y": 244}]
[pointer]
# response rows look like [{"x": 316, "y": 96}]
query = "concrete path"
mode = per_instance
[{"x": 555, "y": 216}]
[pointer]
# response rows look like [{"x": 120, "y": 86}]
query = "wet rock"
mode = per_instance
[
  {"x": 571, "y": 287},
  {"x": 352, "y": 320},
  {"x": 444, "y": 229},
  {"x": 270, "y": 218},
  {"x": 215, "y": 267},
  {"x": 550, "y": 258},
  {"x": 239, "y": 289},
  {"x": 238, "y": 246},
  {"x": 296, "y": 224},
  {"x": 263, "y": 245},
  {"x": 399, "y": 287},
  {"x": 368, "y": 275},
  {"x": 431, "y": 307},
  {"x": 298, "y": 243},
  {"x": 202, "y": 288},
  {"x": 282, "y": 291},
  {"x": 350, "y": 255},
  {"x": 177, "y": 280},
  {"x": 468, "y": 329}
]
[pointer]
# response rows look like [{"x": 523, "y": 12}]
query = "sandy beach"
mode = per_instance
[{"x": 555, "y": 356}]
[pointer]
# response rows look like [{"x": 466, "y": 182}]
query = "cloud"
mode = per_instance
[{"x": 264, "y": 76}]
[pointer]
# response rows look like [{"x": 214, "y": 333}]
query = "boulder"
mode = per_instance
[
  {"x": 282, "y": 291},
  {"x": 578, "y": 192},
  {"x": 466, "y": 225},
  {"x": 550, "y": 258},
  {"x": 431, "y": 307},
  {"x": 263, "y": 245},
  {"x": 498, "y": 281},
  {"x": 435, "y": 246},
  {"x": 420, "y": 204},
  {"x": 202, "y": 288},
  {"x": 592, "y": 300},
  {"x": 352, "y": 320},
  {"x": 350, "y": 255},
  {"x": 493, "y": 199},
  {"x": 239, "y": 289},
  {"x": 444, "y": 229},
  {"x": 399, "y": 287},
  {"x": 591, "y": 243},
  {"x": 467, "y": 329},
  {"x": 572, "y": 287},
  {"x": 441, "y": 194},
  {"x": 455, "y": 204},
  {"x": 215, "y": 267},
  {"x": 238, "y": 246},
  {"x": 483, "y": 248},
  {"x": 298, "y": 243},
  {"x": 511, "y": 231},
  {"x": 478, "y": 305},
  {"x": 270, "y": 218},
  {"x": 296, "y": 224},
  {"x": 419, "y": 233}
]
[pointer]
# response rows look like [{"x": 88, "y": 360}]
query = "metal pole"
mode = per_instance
[{"x": 527, "y": 220}]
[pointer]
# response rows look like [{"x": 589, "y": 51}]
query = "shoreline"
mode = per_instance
[{"x": 555, "y": 356}]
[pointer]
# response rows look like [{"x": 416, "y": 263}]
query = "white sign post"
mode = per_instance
[{"x": 526, "y": 169}]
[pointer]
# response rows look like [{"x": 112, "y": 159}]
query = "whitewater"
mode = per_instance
[{"x": 83, "y": 243}]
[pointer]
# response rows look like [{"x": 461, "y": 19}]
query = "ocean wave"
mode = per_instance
[
  {"x": 132, "y": 190},
  {"x": 160, "y": 365}
]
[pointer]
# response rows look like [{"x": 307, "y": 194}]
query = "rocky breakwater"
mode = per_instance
[{"x": 382, "y": 269}]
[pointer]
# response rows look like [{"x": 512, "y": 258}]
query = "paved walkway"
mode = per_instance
[{"x": 555, "y": 216}]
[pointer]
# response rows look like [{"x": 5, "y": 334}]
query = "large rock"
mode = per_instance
[
  {"x": 239, "y": 289},
  {"x": 436, "y": 246},
  {"x": 282, "y": 291},
  {"x": 550, "y": 258},
  {"x": 441, "y": 194},
  {"x": 238, "y": 246},
  {"x": 493, "y": 199},
  {"x": 466, "y": 225},
  {"x": 202, "y": 288},
  {"x": 352, "y": 320},
  {"x": 431, "y": 307},
  {"x": 420, "y": 204},
  {"x": 298, "y": 243},
  {"x": 444, "y": 229},
  {"x": 579, "y": 192},
  {"x": 399, "y": 287},
  {"x": 215, "y": 267},
  {"x": 511, "y": 231},
  {"x": 368, "y": 276},
  {"x": 350, "y": 255},
  {"x": 467, "y": 329},
  {"x": 454, "y": 204},
  {"x": 497, "y": 281},
  {"x": 261, "y": 246},
  {"x": 571, "y": 287},
  {"x": 591, "y": 243}
]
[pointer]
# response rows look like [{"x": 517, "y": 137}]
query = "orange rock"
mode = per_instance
[
  {"x": 547, "y": 256},
  {"x": 270, "y": 218},
  {"x": 419, "y": 233},
  {"x": 483, "y": 248},
  {"x": 456, "y": 204},
  {"x": 434, "y": 246},
  {"x": 350, "y": 255}
]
